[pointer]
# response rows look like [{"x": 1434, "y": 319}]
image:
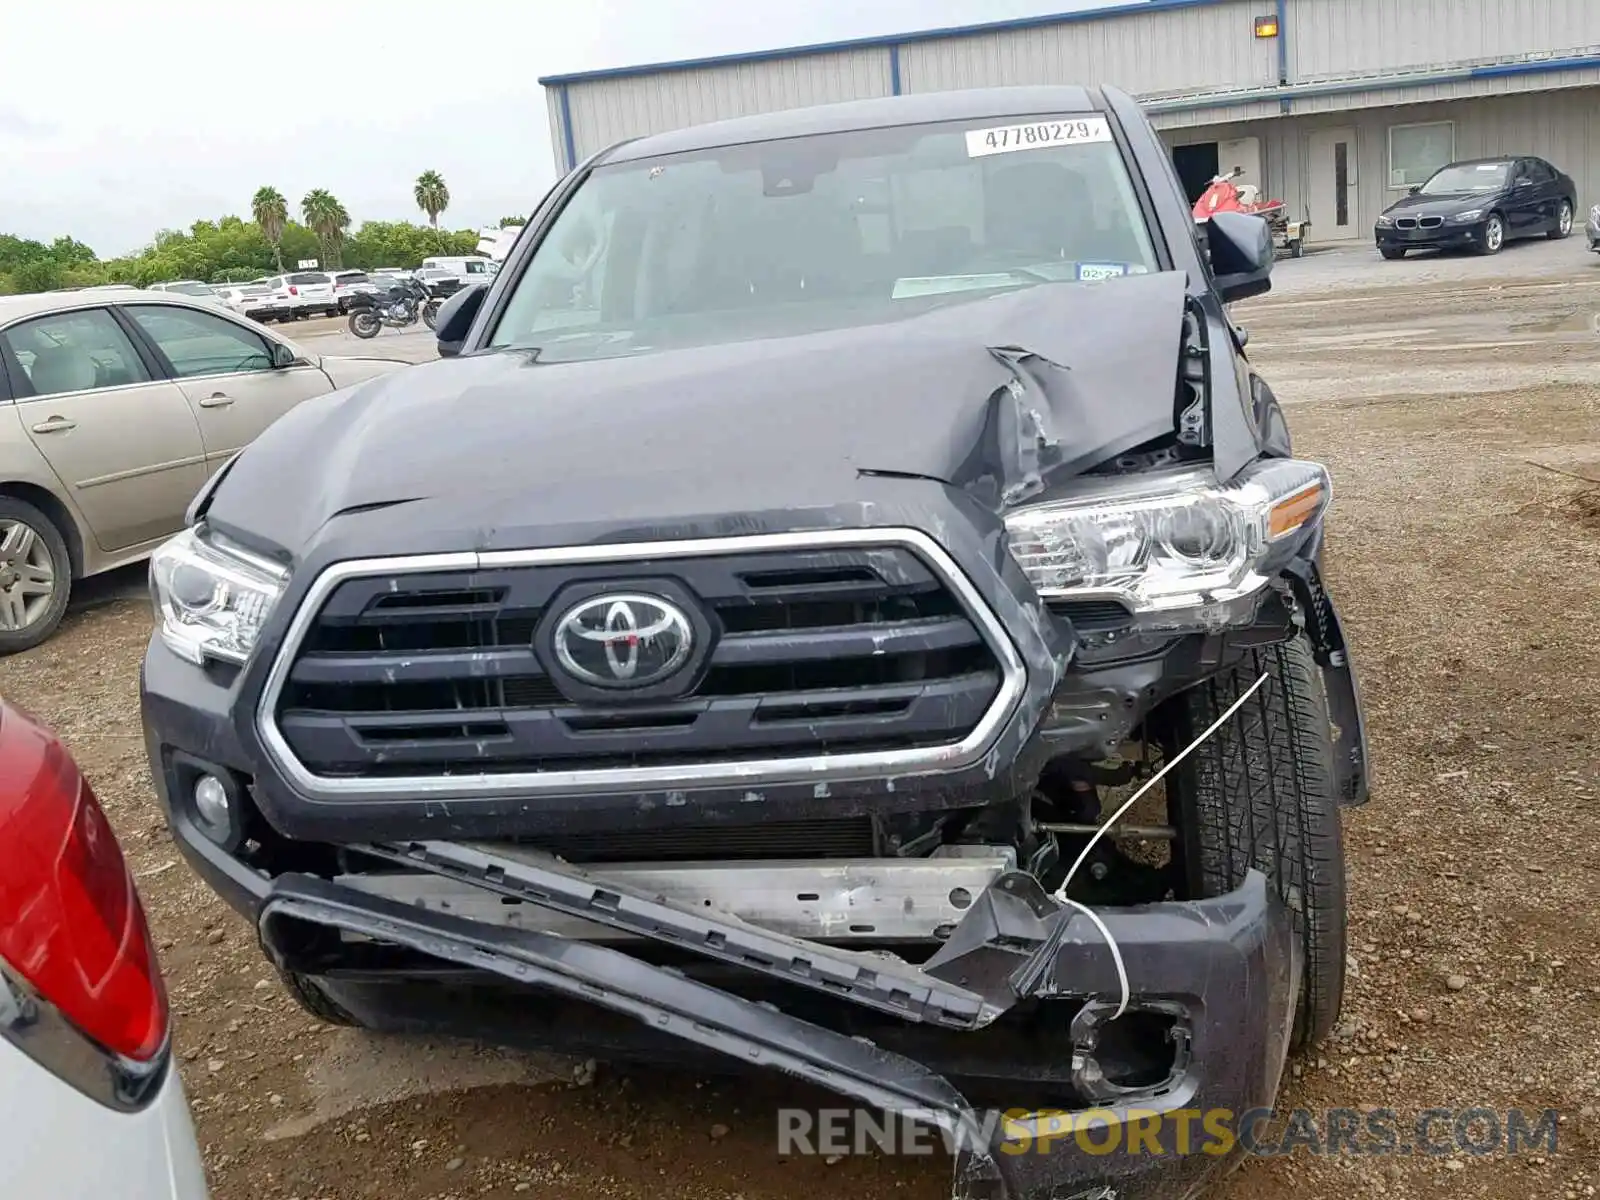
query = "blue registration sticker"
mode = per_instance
[{"x": 1090, "y": 271}]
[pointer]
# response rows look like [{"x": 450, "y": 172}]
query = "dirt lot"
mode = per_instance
[{"x": 1454, "y": 402}]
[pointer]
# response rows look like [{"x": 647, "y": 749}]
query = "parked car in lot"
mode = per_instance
[
  {"x": 302, "y": 294},
  {"x": 350, "y": 283},
  {"x": 1479, "y": 205},
  {"x": 188, "y": 287},
  {"x": 251, "y": 300},
  {"x": 1592, "y": 228},
  {"x": 467, "y": 268},
  {"x": 439, "y": 281},
  {"x": 90, "y": 1098},
  {"x": 759, "y": 657},
  {"x": 114, "y": 410}
]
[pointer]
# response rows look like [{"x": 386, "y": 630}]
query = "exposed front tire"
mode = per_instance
[
  {"x": 1494, "y": 235},
  {"x": 1563, "y": 222},
  {"x": 35, "y": 576},
  {"x": 1392, "y": 252},
  {"x": 430, "y": 314},
  {"x": 1261, "y": 792},
  {"x": 308, "y": 994},
  {"x": 364, "y": 323}
]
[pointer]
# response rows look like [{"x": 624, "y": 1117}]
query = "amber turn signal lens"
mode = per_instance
[{"x": 1290, "y": 513}]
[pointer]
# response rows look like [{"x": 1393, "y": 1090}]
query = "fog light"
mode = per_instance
[{"x": 212, "y": 808}]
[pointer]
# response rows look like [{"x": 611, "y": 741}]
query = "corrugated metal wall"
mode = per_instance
[
  {"x": 1148, "y": 53},
  {"x": 1337, "y": 39},
  {"x": 1174, "y": 58},
  {"x": 1563, "y": 127},
  {"x": 607, "y": 110}
]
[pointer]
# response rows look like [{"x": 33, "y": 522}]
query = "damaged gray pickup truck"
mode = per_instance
[{"x": 745, "y": 643}]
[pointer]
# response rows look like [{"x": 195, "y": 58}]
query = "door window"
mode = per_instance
[
  {"x": 71, "y": 352},
  {"x": 198, "y": 343}
]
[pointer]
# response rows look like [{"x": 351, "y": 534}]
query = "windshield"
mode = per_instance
[
  {"x": 1468, "y": 177},
  {"x": 825, "y": 232}
]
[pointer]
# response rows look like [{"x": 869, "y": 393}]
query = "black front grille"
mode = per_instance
[
  {"x": 813, "y": 652},
  {"x": 1429, "y": 222}
]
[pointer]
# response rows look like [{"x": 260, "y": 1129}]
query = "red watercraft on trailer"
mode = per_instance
[{"x": 1225, "y": 196}]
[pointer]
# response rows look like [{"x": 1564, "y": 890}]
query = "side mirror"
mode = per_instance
[
  {"x": 1241, "y": 254},
  {"x": 456, "y": 316},
  {"x": 283, "y": 357}
]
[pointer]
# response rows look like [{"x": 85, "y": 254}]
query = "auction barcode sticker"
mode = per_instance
[{"x": 1005, "y": 139}]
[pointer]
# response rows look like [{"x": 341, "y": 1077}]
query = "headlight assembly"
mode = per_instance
[
  {"x": 1173, "y": 545},
  {"x": 1471, "y": 214},
  {"x": 211, "y": 598}
]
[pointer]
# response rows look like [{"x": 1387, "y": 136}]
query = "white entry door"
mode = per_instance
[{"x": 1331, "y": 184}]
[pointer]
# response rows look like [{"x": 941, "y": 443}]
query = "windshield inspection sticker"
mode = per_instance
[
  {"x": 1088, "y": 271},
  {"x": 1006, "y": 139}
]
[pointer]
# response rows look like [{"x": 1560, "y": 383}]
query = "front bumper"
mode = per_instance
[
  {"x": 1219, "y": 975},
  {"x": 1441, "y": 237},
  {"x": 1592, "y": 230}
]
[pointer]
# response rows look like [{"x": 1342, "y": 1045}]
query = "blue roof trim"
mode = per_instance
[
  {"x": 1536, "y": 67},
  {"x": 883, "y": 40},
  {"x": 1352, "y": 87}
]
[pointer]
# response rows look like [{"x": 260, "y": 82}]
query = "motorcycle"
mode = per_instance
[
  {"x": 1223, "y": 195},
  {"x": 399, "y": 308}
]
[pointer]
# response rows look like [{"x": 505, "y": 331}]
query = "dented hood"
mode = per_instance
[{"x": 1000, "y": 397}]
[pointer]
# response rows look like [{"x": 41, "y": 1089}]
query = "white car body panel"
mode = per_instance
[{"x": 62, "y": 1145}]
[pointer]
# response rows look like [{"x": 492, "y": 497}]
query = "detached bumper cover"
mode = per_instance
[{"x": 1222, "y": 970}]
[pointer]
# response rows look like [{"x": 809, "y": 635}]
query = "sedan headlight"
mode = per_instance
[
  {"x": 1174, "y": 545},
  {"x": 1385, "y": 220},
  {"x": 1594, "y": 214},
  {"x": 1472, "y": 214},
  {"x": 212, "y": 598}
]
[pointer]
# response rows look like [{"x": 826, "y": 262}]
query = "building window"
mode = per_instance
[{"x": 1417, "y": 151}]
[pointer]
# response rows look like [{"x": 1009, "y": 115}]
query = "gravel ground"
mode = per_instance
[{"x": 1455, "y": 400}]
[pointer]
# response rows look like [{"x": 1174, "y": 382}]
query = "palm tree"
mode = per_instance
[
  {"x": 326, "y": 218},
  {"x": 432, "y": 197},
  {"x": 271, "y": 212}
]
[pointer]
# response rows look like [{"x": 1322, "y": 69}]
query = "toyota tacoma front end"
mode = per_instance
[{"x": 842, "y": 601}]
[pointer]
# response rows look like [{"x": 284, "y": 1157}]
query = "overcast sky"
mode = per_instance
[{"x": 120, "y": 119}]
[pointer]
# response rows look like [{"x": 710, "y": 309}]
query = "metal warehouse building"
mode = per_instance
[{"x": 1338, "y": 106}]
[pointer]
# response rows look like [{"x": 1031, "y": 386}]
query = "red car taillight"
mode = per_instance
[
  {"x": 71, "y": 924},
  {"x": 293, "y": 291}
]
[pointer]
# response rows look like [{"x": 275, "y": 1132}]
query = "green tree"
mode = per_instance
[
  {"x": 328, "y": 220},
  {"x": 504, "y": 221},
  {"x": 432, "y": 196},
  {"x": 41, "y": 275},
  {"x": 271, "y": 212}
]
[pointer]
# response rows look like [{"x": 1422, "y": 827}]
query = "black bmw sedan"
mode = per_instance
[{"x": 1479, "y": 205}]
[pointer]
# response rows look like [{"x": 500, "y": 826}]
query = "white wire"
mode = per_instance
[
  {"x": 1116, "y": 951},
  {"x": 1061, "y": 892}
]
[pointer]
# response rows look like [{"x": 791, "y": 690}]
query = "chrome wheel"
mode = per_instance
[
  {"x": 1564, "y": 221},
  {"x": 27, "y": 576},
  {"x": 1494, "y": 234}
]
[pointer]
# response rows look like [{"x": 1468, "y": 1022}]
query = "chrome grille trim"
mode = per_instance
[{"x": 818, "y": 769}]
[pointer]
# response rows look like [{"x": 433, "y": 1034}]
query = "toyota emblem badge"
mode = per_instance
[{"x": 623, "y": 640}]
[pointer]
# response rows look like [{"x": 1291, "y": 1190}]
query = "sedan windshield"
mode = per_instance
[
  {"x": 824, "y": 232},
  {"x": 1467, "y": 177}
]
